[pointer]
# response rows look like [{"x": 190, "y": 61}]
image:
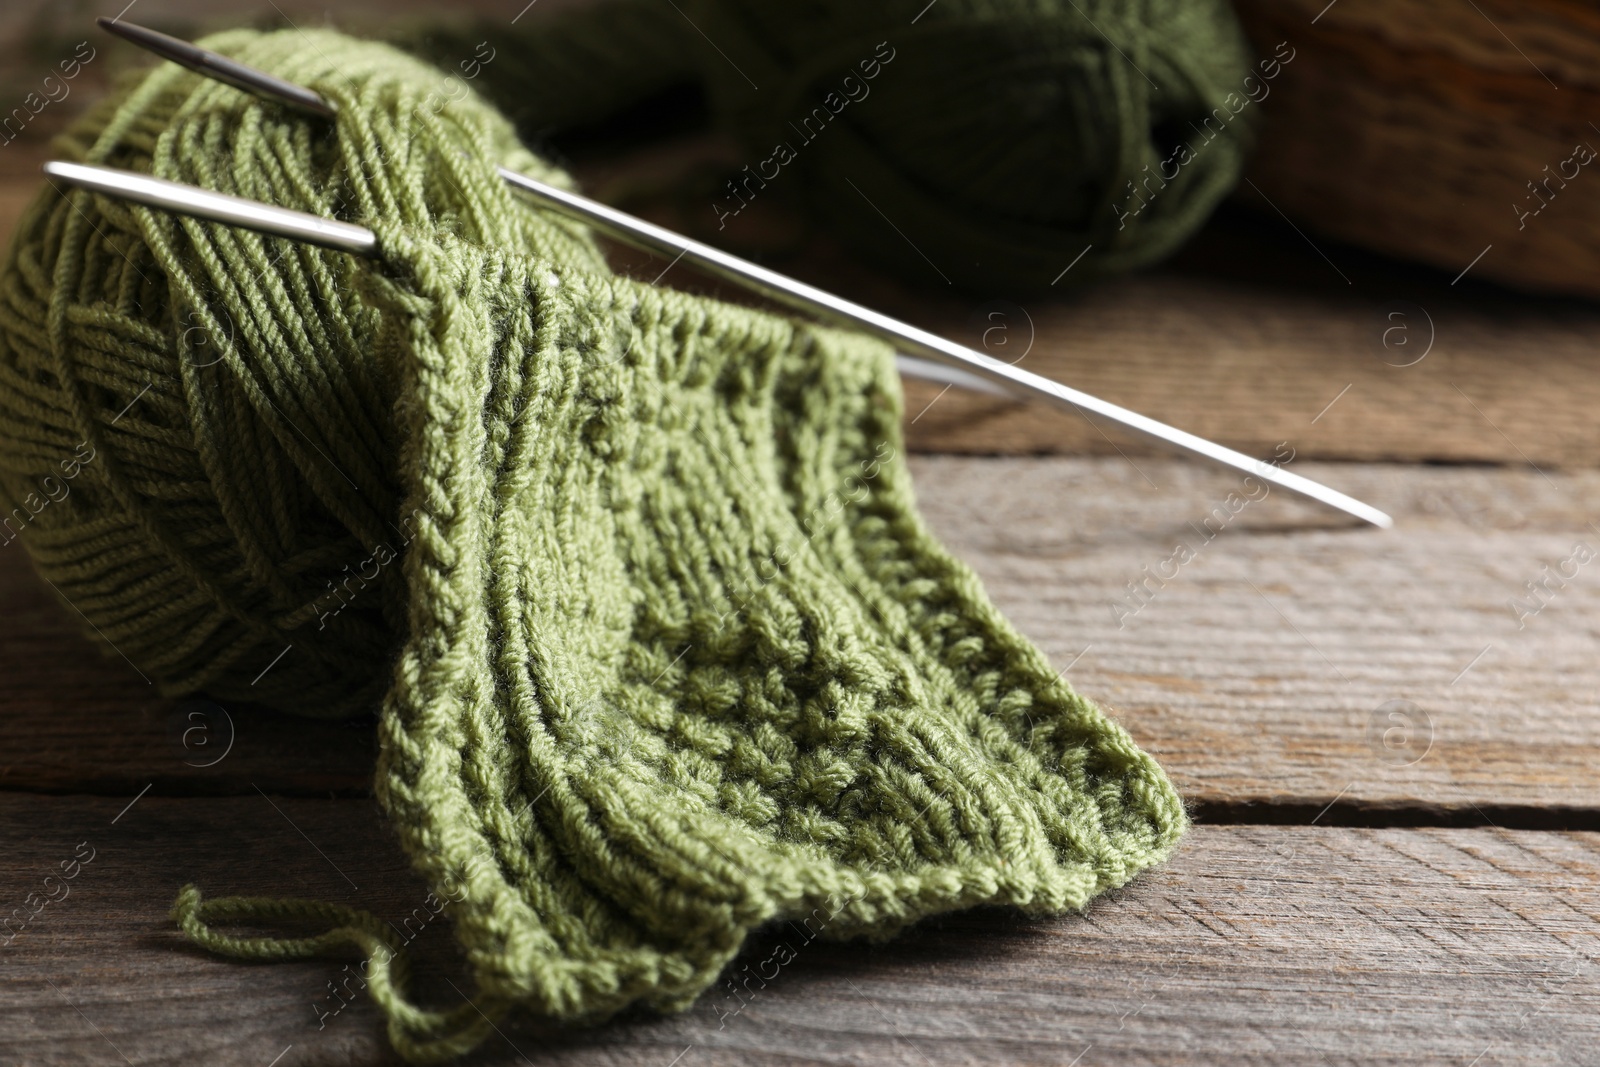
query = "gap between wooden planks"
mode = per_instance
[
  {"x": 1264, "y": 945},
  {"x": 1262, "y": 673}
]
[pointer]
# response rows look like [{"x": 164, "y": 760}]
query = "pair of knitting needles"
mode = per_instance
[{"x": 927, "y": 355}]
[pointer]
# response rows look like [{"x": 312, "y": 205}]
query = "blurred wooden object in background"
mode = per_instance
[{"x": 1439, "y": 131}]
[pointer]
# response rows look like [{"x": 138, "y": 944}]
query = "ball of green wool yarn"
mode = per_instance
[
  {"x": 999, "y": 138},
  {"x": 985, "y": 143},
  {"x": 214, "y": 403}
]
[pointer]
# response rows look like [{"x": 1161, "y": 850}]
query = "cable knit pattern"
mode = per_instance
[{"x": 664, "y": 652}]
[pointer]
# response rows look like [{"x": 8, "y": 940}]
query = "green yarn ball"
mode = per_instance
[
  {"x": 984, "y": 143},
  {"x": 244, "y": 499}
]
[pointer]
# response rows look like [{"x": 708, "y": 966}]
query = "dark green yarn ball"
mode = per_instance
[{"x": 981, "y": 143}]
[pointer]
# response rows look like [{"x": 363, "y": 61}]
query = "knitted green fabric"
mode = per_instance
[{"x": 664, "y": 652}]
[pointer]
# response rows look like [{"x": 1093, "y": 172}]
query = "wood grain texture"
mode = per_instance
[
  {"x": 1266, "y": 945},
  {"x": 1410, "y": 127},
  {"x": 1259, "y": 664},
  {"x": 1250, "y": 336},
  {"x": 1413, "y": 127},
  {"x": 1250, "y": 364},
  {"x": 1294, "y": 669}
]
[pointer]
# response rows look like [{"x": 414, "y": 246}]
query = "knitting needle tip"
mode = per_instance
[{"x": 215, "y": 65}]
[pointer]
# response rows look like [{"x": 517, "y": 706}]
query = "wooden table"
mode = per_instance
[{"x": 1392, "y": 766}]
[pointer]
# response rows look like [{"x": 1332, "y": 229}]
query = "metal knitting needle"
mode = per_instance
[
  {"x": 972, "y": 367},
  {"x": 358, "y": 240},
  {"x": 217, "y": 207},
  {"x": 218, "y": 66}
]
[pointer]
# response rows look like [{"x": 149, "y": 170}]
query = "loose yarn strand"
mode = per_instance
[{"x": 421, "y": 1035}]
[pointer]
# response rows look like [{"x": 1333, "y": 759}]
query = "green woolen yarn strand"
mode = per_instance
[
  {"x": 660, "y": 648},
  {"x": 1001, "y": 138}
]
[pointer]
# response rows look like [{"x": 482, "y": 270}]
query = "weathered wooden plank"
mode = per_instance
[
  {"x": 1264, "y": 667},
  {"x": 1413, "y": 127},
  {"x": 1251, "y": 363},
  {"x": 1263, "y": 945},
  {"x": 1260, "y": 671},
  {"x": 1249, "y": 338}
]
